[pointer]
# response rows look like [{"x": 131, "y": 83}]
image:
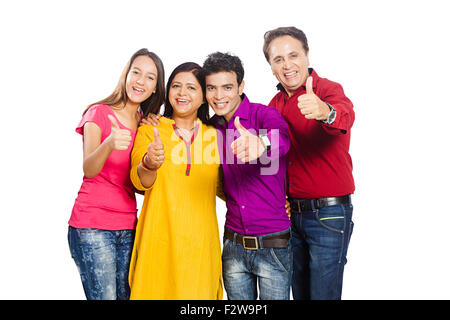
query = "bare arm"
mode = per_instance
[{"x": 95, "y": 152}]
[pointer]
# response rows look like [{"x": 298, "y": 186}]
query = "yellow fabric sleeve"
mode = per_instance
[{"x": 144, "y": 137}]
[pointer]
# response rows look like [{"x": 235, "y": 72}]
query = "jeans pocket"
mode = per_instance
[
  {"x": 332, "y": 218},
  {"x": 282, "y": 257}
]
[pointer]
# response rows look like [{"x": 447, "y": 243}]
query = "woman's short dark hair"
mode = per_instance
[
  {"x": 219, "y": 62},
  {"x": 197, "y": 71},
  {"x": 270, "y": 35}
]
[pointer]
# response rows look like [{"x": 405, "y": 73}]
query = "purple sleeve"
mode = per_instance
[{"x": 277, "y": 132}]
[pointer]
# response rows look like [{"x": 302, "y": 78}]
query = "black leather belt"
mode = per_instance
[
  {"x": 253, "y": 243},
  {"x": 299, "y": 205}
]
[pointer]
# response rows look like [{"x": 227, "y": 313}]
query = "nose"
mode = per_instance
[
  {"x": 140, "y": 80},
  {"x": 287, "y": 64},
  {"x": 181, "y": 91},
  {"x": 218, "y": 94}
]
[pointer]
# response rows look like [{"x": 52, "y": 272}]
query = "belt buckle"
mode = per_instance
[{"x": 248, "y": 237}]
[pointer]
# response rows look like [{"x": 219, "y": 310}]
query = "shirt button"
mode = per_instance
[
  {"x": 290, "y": 163},
  {"x": 290, "y": 184},
  {"x": 243, "y": 207}
]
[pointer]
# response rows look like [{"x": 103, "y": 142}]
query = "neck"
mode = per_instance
[
  {"x": 131, "y": 108},
  {"x": 185, "y": 122}
]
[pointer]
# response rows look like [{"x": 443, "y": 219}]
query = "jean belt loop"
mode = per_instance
[
  {"x": 234, "y": 237},
  {"x": 260, "y": 242},
  {"x": 313, "y": 207}
]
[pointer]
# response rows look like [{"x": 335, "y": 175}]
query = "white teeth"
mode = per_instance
[
  {"x": 137, "y": 89},
  {"x": 290, "y": 74}
]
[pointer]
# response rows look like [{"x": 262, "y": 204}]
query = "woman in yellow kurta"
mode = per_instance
[{"x": 177, "y": 252}]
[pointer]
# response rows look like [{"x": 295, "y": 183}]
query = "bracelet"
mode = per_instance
[{"x": 145, "y": 167}]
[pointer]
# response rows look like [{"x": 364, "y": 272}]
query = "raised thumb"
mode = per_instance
[
  {"x": 239, "y": 126},
  {"x": 114, "y": 123},
  {"x": 309, "y": 86},
  {"x": 157, "y": 137}
]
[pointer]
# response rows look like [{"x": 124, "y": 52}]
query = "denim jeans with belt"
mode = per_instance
[
  {"x": 244, "y": 269},
  {"x": 320, "y": 239},
  {"x": 103, "y": 260}
]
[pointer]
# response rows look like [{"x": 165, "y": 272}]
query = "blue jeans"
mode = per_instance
[
  {"x": 103, "y": 260},
  {"x": 320, "y": 239},
  {"x": 243, "y": 269}
]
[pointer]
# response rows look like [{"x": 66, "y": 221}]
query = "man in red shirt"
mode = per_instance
[{"x": 319, "y": 172}]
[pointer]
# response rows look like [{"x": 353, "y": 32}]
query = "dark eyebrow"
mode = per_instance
[
  {"x": 188, "y": 83},
  {"x": 290, "y": 53},
  {"x": 134, "y": 67}
]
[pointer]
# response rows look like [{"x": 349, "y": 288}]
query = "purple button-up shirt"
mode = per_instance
[{"x": 256, "y": 191}]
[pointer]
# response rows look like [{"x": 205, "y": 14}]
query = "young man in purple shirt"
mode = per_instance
[{"x": 253, "y": 142}]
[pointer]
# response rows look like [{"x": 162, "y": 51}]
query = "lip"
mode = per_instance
[
  {"x": 138, "y": 90},
  {"x": 182, "y": 102},
  {"x": 290, "y": 75},
  {"x": 220, "y": 105}
]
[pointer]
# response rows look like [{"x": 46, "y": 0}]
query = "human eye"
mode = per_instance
[{"x": 277, "y": 60}]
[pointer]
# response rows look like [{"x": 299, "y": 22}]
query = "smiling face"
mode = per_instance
[
  {"x": 185, "y": 94},
  {"x": 223, "y": 93},
  {"x": 141, "y": 79},
  {"x": 289, "y": 62}
]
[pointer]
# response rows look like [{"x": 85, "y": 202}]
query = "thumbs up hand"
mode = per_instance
[
  {"x": 310, "y": 105},
  {"x": 119, "y": 139},
  {"x": 155, "y": 152},
  {"x": 248, "y": 146}
]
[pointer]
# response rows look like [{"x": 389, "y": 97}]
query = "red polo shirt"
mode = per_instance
[{"x": 319, "y": 163}]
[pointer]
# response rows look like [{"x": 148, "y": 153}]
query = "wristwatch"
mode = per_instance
[
  {"x": 265, "y": 141},
  {"x": 331, "y": 115}
]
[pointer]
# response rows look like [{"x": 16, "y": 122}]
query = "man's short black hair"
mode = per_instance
[{"x": 219, "y": 62}]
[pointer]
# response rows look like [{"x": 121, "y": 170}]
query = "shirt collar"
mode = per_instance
[{"x": 312, "y": 73}]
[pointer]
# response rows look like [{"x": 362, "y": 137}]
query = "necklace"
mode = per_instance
[
  {"x": 186, "y": 130},
  {"x": 185, "y": 133}
]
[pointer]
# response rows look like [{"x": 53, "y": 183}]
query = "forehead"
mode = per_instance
[
  {"x": 221, "y": 78},
  {"x": 284, "y": 45},
  {"x": 145, "y": 63},
  {"x": 185, "y": 76}
]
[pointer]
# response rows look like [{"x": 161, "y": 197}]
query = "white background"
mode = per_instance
[{"x": 390, "y": 56}]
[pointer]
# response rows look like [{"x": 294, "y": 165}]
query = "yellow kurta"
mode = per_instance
[{"x": 177, "y": 252}]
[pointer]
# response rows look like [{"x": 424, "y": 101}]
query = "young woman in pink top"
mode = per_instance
[{"x": 103, "y": 220}]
